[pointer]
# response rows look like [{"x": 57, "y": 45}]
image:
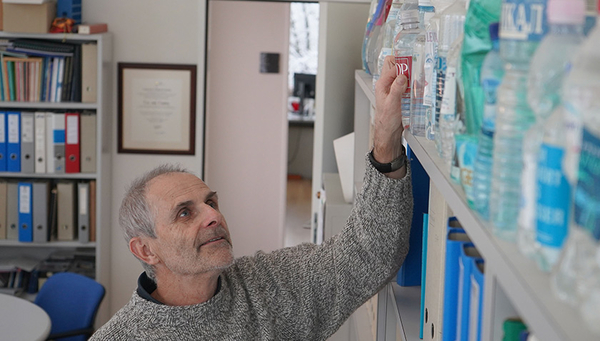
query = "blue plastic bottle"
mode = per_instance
[
  {"x": 522, "y": 27},
  {"x": 492, "y": 71}
]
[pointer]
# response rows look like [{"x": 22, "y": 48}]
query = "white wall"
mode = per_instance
[
  {"x": 246, "y": 120},
  {"x": 146, "y": 31}
]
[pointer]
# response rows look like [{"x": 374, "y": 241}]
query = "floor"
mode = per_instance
[{"x": 297, "y": 223}]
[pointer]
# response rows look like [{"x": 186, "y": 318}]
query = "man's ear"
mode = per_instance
[{"x": 140, "y": 247}]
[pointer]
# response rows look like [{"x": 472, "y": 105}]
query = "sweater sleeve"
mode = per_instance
[{"x": 310, "y": 290}]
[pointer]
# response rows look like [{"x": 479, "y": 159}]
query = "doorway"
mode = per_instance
[{"x": 302, "y": 69}]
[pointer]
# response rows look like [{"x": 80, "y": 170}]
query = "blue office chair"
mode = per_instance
[{"x": 71, "y": 300}]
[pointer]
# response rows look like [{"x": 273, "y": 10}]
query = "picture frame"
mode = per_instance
[{"x": 156, "y": 108}]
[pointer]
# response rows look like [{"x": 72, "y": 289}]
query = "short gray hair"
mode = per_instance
[{"x": 135, "y": 216}]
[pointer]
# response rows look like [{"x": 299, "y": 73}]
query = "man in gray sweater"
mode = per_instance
[{"x": 193, "y": 289}]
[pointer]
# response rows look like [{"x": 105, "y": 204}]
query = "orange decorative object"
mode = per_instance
[{"x": 62, "y": 25}]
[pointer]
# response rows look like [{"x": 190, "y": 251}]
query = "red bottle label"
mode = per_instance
[{"x": 404, "y": 66}]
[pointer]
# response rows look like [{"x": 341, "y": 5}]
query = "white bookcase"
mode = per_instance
[
  {"x": 514, "y": 286},
  {"x": 102, "y": 108}
]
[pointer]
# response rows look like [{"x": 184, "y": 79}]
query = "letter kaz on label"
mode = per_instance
[
  {"x": 522, "y": 21},
  {"x": 405, "y": 64}
]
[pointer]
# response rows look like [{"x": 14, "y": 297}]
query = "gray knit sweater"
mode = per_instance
[{"x": 299, "y": 293}]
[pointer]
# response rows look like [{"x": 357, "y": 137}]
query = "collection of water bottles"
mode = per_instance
[{"x": 529, "y": 109}]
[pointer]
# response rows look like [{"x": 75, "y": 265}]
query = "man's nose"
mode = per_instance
[{"x": 212, "y": 218}]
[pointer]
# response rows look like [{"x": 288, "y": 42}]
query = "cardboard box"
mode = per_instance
[{"x": 28, "y": 18}]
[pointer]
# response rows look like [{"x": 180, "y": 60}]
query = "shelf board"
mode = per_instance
[
  {"x": 408, "y": 305},
  {"x": 527, "y": 287},
  {"x": 82, "y": 176},
  {"x": 365, "y": 81},
  {"x": 53, "y": 244},
  {"x": 53, "y": 36},
  {"x": 48, "y": 105}
]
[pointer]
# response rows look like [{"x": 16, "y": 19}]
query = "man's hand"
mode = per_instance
[{"x": 388, "y": 115}]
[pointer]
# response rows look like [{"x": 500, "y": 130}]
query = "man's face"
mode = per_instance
[{"x": 192, "y": 235}]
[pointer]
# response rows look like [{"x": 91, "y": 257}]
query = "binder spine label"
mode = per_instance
[
  {"x": 83, "y": 200},
  {"x": 24, "y": 199},
  {"x": 2, "y": 128},
  {"x": 13, "y": 128},
  {"x": 27, "y": 129},
  {"x": 73, "y": 128}
]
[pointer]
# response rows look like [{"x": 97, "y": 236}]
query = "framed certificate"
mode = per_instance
[{"x": 157, "y": 108}]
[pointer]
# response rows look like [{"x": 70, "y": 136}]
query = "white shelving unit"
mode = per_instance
[
  {"x": 514, "y": 286},
  {"x": 102, "y": 108}
]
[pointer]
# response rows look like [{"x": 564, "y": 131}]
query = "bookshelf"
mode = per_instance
[
  {"x": 100, "y": 248},
  {"x": 514, "y": 286}
]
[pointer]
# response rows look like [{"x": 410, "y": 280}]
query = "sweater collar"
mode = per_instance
[{"x": 146, "y": 287}]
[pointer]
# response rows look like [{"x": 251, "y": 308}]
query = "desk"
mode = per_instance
[
  {"x": 298, "y": 120},
  {"x": 22, "y": 320}
]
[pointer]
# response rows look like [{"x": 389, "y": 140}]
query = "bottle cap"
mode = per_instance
[
  {"x": 566, "y": 11},
  {"x": 494, "y": 29},
  {"x": 409, "y": 16}
]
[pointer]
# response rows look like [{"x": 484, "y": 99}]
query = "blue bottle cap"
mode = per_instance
[{"x": 494, "y": 29}]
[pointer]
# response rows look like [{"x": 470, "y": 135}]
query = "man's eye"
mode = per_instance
[
  {"x": 212, "y": 204},
  {"x": 184, "y": 213}
]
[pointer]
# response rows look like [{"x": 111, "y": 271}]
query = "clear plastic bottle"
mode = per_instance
[
  {"x": 389, "y": 33},
  {"x": 403, "y": 54},
  {"x": 374, "y": 45},
  {"x": 451, "y": 26},
  {"x": 417, "y": 111},
  {"x": 492, "y": 71},
  {"x": 371, "y": 33},
  {"x": 543, "y": 215},
  {"x": 448, "y": 110},
  {"x": 574, "y": 278},
  {"x": 522, "y": 27}
]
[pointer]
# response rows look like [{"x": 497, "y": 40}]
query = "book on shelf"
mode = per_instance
[
  {"x": 92, "y": 28},
  {"x": 35, "y": 70}
]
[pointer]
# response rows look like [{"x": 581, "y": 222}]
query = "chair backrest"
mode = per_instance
[{"x": 71, "y": 300}]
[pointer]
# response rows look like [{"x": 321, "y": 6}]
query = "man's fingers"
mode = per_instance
[
  {"x": 388, "y": 74},
  {"x": 399, "y": 86}
]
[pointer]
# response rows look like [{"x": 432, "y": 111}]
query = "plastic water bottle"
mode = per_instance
[
  {"x": 448, "y": 109},
  {"x": 431, "y": 47},
  {"x": 403, "y": 55},
  {"x": 522, "y": 27},
  {"x": 451, "y": 26},
  {"x": 389, "y": 33},
  {"x": 371, "y": 33},
  {"x": 544, "y": 209},
  {"x": 417, "y": 111},
  {"x": 492, "y": 71},
  {"x": 573, "y": 278}
]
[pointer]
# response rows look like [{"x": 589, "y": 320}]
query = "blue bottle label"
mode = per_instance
[
  {"x": 490, "y": 87},
  {"x": 440, "y": 81},
  {"x": 523, "y": 20},
  {"x": 587, "y": 194},
  {"x": 553, "y": 195}
]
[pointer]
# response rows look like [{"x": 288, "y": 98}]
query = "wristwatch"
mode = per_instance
[{"x": 396, "y": 164}]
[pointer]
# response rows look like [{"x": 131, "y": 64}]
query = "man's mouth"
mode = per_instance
[{"x": 214, "y": 240}]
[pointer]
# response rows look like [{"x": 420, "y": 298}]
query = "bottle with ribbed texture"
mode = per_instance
[
  {"x": 522, "y": 27},
  {"x": 492, "y": 71},
  {"x": 389, "y": 33},
  {"x": 431, "y": 42},
  {"x": 545, "y": 198},
  {"x": 417, "y": 111},
  {"x": 403, "y": 55},
  {"x": 575, "y": 277},
  {"x": 451, "y": 26}
]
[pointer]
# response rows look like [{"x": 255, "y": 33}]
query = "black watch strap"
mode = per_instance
[{"x": 396, "y": 164}]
